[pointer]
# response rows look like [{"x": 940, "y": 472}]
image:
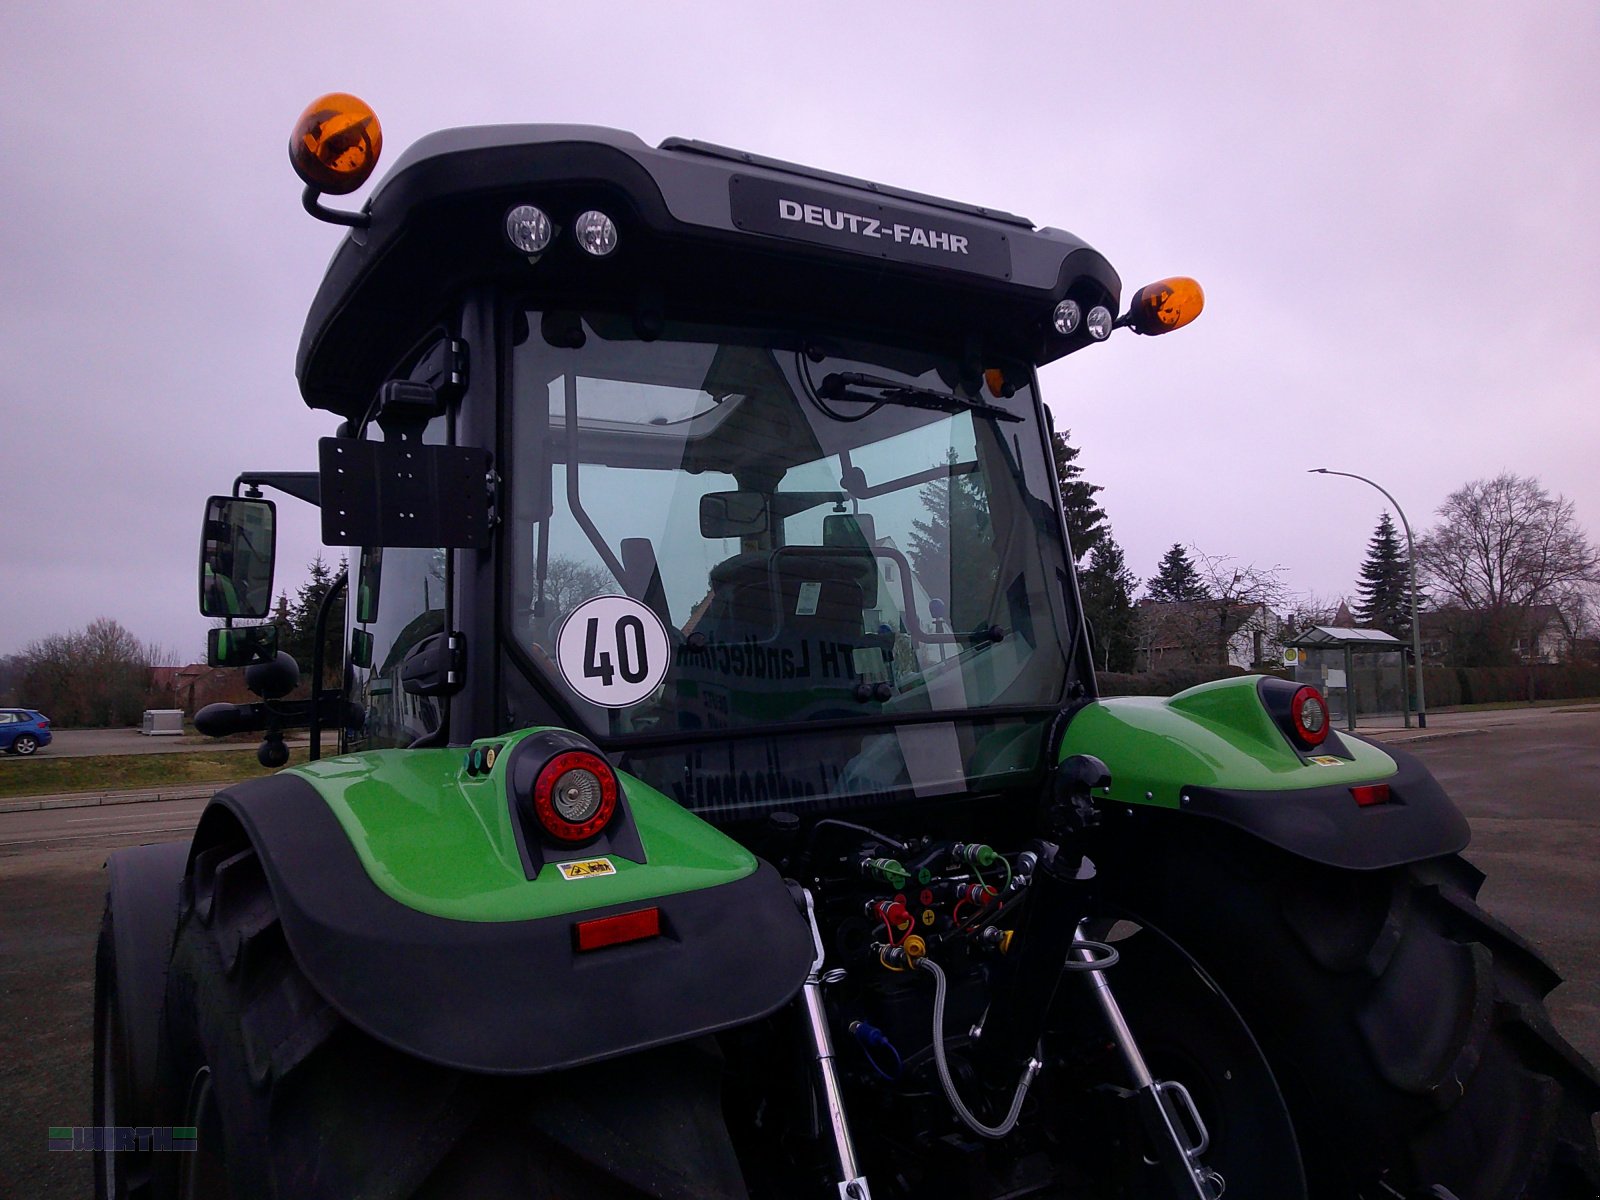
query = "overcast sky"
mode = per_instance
[{"x": 1392, "y": 209}]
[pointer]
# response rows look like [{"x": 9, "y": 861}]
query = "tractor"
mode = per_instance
[{"x": 724, "y": 804}]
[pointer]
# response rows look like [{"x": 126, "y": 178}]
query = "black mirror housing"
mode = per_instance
[
  {"x": 238, "y": 543},
  {"x": 732, "y": 514},
  {"x": 241, "y": 646}
]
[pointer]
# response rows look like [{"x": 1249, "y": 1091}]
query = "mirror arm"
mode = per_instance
[{"x": 302, "y": 485}]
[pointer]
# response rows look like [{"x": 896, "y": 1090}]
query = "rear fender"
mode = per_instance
[
  {"x": 1215, "y": 752},
  {"x": 409, "y": 908}
]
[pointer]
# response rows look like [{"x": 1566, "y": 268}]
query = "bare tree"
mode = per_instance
[
  {"x": 99, "y": 675},
  {"x": 1235, "y": 598},
  {"x": 1306, "y": 609},
  {"x": 1502, "y": 546},
  {"x": 1242, "y": 596},
  {"x": 568, "y": 582}
]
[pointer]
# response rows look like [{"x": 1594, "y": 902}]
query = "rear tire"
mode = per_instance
[
  {"x": 25, "y": 744},
  {"x": 115, "y": 1175},
  {"x": 290, "y": 1100},
  {"x": 1405, "y": 1025}
]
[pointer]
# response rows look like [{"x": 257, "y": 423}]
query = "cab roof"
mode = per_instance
[{"x": 703, "y": 231}]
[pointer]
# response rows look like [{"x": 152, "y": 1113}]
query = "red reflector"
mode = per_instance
[
  {"x": 613, "y": 931},
  {"x": 1371, "y": 793}
]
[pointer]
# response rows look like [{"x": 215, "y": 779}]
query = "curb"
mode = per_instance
[
  {"x": 203, "y": 791},
  {"x": 1407, "y": 736}
]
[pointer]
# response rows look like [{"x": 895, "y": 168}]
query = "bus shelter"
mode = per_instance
[{"x": 1361, "y": 671}]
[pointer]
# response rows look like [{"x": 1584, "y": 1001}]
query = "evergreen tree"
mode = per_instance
[
  {"x": 952, "y": 550},
  {"x": 1085, "y": 518},
  {"x": 1106, "y": 586},
  {"x": 1177, "y": 578},
  {"x": 1385, "y": 588},
  {"x": 298, "y": 629}
]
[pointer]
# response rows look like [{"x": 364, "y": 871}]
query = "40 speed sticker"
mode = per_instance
[{"x": 613, "y": 651}]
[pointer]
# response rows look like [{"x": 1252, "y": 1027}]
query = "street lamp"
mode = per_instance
[{"x": 1411, "y": 554}]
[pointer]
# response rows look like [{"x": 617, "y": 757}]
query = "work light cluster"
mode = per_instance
[{"x": 531, "y": 231}]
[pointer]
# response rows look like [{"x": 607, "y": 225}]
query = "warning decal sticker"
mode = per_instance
[{"x": 589, "y": 868}]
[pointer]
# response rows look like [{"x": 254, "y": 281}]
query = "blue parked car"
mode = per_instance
[{"x": 23, "y": 730}]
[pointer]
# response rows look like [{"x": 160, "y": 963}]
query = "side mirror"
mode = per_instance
[
  {"x": 732, "y": 514},
  {"x": 237, "y": 545},
  {"x": 241, "y": 646}
]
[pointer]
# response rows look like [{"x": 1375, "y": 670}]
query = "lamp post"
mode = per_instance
[{"x": 1411, "y": 555}]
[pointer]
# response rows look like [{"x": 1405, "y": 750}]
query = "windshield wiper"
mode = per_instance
[{"x": 875, "y": 389}]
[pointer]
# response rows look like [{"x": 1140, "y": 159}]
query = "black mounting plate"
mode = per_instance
[{"x": 404, "y": 494}]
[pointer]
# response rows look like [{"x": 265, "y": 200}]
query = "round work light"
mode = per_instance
[
  {"x": 596, "y": 232},
  {"x": 528, "y": 229}
]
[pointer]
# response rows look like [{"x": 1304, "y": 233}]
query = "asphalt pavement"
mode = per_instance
[
  {"x": 1527, "y": 779},
  {"x": 84, "y": 743}
]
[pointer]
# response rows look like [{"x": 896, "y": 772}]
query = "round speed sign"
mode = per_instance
[{"x": 613, "y": 651}]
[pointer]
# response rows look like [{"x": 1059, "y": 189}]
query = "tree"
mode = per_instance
[
  {"x": 955, "y": 537},
  {"x": 1107, "y": 586},
  {"x": 1219, "y": 599},
  {"x": 1240, "y": 597},
  {"x": 1308, "y": 609},
  {"x": 568, "y": 582},
  {"x": 99, "y": 675},
  {"x": 1385, "y": 587},
  {"x": 1086, "y": 526},
  {"x": 1176, "y": 578},
  {"x": 1502, "y": 546},
  {"x": 297, "y": 633}
]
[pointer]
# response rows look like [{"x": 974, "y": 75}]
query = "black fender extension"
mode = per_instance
[
  {"x": 1326, "y": 825},
  {"x": 512, "y": 997}
]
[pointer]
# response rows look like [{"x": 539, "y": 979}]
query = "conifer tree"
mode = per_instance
[
  {"x": 1106, "y": 586},
  {"x": 951, "y": 550},
  {"x": 1177, "y": 578},
  {"x": 1085, "y": 518},
  {"x": 1384, "y": 587}
]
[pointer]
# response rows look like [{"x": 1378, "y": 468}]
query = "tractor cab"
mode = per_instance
[{"x": 736, "y": 467}]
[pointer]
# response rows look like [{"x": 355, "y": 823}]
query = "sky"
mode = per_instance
[{"x": 1391, "y": 209}]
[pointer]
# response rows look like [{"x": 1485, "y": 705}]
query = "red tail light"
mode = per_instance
[
  {"x": 614, "y": 931},
  {"x": 1371, "y": 793},
  {"x": 575, "y": 796},
  {"x": 1308, "y": 714}
]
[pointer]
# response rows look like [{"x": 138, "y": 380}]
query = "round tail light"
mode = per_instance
[
  {"x": 1308, "y": 714},
  {"x": 575, "y": 796}
]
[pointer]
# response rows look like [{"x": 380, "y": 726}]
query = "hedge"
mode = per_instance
[
  {"x": 1449, "y": 686},
  {"x": 1170, "y": 680}
]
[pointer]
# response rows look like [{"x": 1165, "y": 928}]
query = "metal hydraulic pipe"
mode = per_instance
[{"x": 852, "y": 1185}]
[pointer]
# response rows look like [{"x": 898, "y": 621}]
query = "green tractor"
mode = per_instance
[{"x": 724, "y": 805}]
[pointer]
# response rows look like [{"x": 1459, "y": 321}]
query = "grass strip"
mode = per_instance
[{"x": 44, "y": 776}]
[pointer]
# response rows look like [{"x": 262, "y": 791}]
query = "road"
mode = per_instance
[
  {"x": 1530, "y": 785},
  {"x": 83, "y": 743},
  {"x": 103, "y": 827}
]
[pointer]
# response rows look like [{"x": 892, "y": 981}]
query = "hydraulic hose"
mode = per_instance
[{"x": 949, "y": 1084}]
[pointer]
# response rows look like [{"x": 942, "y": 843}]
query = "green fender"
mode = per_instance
[
  {"x": 1215, "y": 752},
  {"x": 437, "y": 837}
]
